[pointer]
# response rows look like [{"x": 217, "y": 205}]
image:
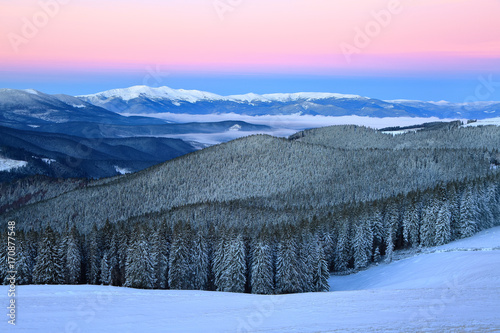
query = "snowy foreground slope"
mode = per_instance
[{"x": 451, "y": 288}]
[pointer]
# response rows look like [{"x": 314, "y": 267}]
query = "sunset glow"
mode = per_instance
[{"x": 283, "y": 37}]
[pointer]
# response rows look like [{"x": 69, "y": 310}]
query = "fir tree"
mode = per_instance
[
  {"x": 236, "y": 266},
  {"x": 287, "y": 274},
  {"x": 73, "y": 257},
  {"x": 180, "y": 271},
  {"x": 320, "y": 273},
  {"x": 200, "y": 262},
  {"x": 262, "y": 270},
  {"x": 342, "y": 249},
  {"x": 429, "y": 218},
  {"x": 48, "y": 268},
  {"x": 411, "y": 225},
  {"x": 24, "y": 273},
  {"x": 468, "y": 214},
  {"x": 221, "y": 261},
  {"x": 139, "y": 272},
  {"x": 362, "y": 244},
  {"x": 94, "y": 257},
  {"x": 161, "y": 247},
  {"x": 443, "y": 225},
  {"x": 105, "y": 270}
]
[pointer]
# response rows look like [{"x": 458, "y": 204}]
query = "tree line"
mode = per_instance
[{"x": 273, "y": 258}]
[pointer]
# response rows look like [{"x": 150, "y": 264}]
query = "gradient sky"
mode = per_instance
[{"x": 424, "y": 49}]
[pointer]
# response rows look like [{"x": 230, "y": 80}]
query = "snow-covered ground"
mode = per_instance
[
  {"x": 122, "y": 171},
  {"x": 8, "y": 164},
  {"x": 452, "y": 288},
  {"x": 485, "y": 122}
]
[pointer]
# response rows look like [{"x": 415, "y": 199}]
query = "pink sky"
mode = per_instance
[{"x": 281, "y": 35}]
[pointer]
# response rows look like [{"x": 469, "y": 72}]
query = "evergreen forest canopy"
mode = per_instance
[{"x": 262, "y": 214}]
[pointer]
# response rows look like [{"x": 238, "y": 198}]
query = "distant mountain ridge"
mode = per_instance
[{"x": 148, "y": 100}]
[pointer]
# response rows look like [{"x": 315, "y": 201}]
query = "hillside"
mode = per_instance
[
  {"x": 261, "y": 214},
  {"x": 446, "y": 135},
  {"x": 450, "y": 291},
  {"x": 64, "y": 156}
]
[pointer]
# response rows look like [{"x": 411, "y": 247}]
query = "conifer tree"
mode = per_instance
[
  {"x": 122, "y": 242},
  {"x": 429, "y": 218},
  {"x": 23, "y": 275},
  {"x": 443, "y": 225},
  {"x": 306, "y": 261},
  {"x": 48, "y": 268},
  {"x": 329, "y": 246},
  {"x": 180, "y": 274},
  {"x": 160, "y": 245},
  {"x": 362, "y": 244},
  {"x": 342, "y": 249},
  {"x": 262, "y": 270},
  {"x": 411, "y": 225},
  {"x": 200, "y": 262},
  {"x": 73, "y": 257},
  {"x": 105, "y": 270},
  {"x": 468, "y": 214},
  {"x": 139, "y": 272},
  {"x": 94, "y": 256},
  {"x": 221, "y": 261},
  {"x": 236, "y": 266},
  {"x": 287, "y": 274},
  {"x": 320, "y": 273}
]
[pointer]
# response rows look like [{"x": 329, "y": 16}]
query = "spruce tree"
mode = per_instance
[
  {"x": 429, "y": 218},
  {"x": 221, "y": 261},
  {"x": 94, "y": 256},
  {"x": 306, "y": 261},
  {"x": 468, "y": 214},
  {"x": 199, "y": 258},
  {"x": 24, "y": 273},
  {"x": 262, "y": 270},
  {"x": 362, "y": 246},
  {"x": 443, "y": 225},
  {"x": 73, "y": 257},
  {"x": 342, "y": 249},
  {"x": 287, "y": 274},
  {"x": 411, "y": 224},
  {"x": 320, "y": 272},
  {"x": 139, "y": 271},
  {"x": 48, "y": 268},
  {"x": 236, "y": 266},
  {"x": 180, "y": 271},
  {"x": 105, "y": 270}
]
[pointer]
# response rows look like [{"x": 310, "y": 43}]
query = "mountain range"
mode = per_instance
[
  {"x": 128, "y": 125},
  {"x": 142, "y": 100}
]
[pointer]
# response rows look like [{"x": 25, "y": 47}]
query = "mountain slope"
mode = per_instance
[
  {"x": 466, "y": 263},
  {"x": 62, "y": 155},
  {"x": 276, "y": 174},
  {"x": 25, "y": 108}
]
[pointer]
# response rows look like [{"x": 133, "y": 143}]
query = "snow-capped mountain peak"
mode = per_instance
[
  {"x": 193, "y": 96},
  {"x": 164, "y": 92}
]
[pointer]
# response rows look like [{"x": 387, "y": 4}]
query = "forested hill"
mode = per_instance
[
  {"x": 262, "y": 214},
  {"x": 447, "y": 135},
  {"x": 311, "y": 176}
]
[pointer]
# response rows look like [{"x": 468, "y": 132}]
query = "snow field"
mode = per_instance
[{"x": 450, "y": 288}]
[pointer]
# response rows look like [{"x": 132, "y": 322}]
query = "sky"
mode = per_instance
[{"x": 388, "y": 49}]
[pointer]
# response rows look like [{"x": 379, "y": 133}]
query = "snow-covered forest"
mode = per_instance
[{"x": 266, "y": 215}]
